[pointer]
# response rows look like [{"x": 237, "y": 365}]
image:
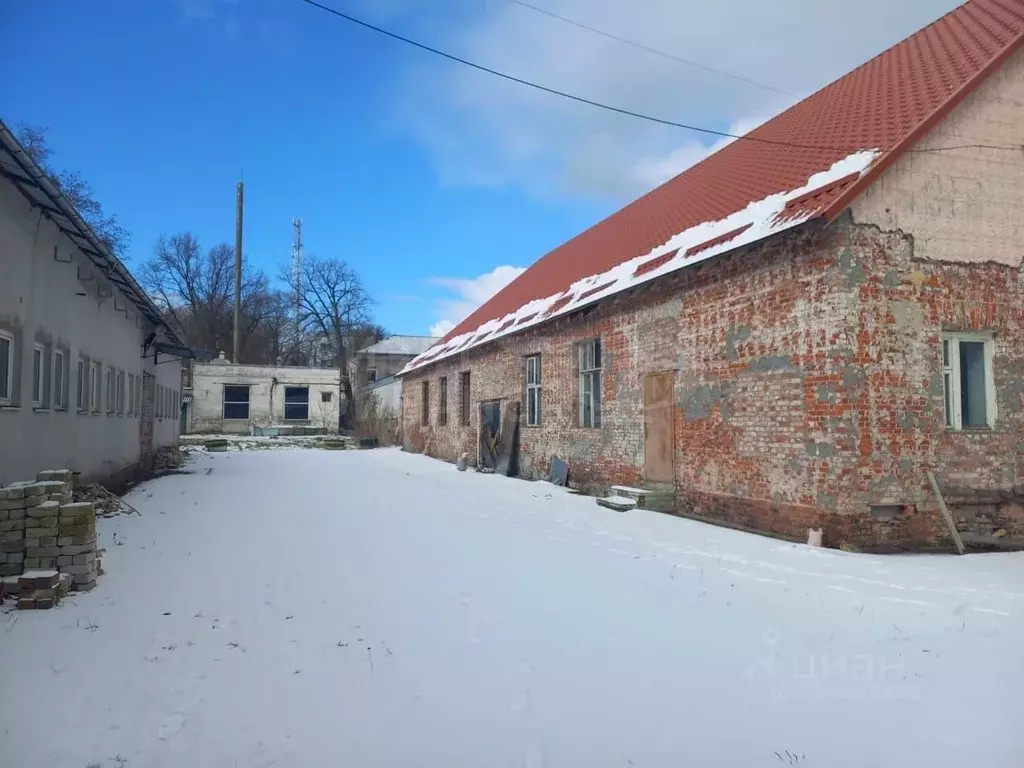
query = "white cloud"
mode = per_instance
[
  {"x": 481, "y": 130},
  {"x": 467, "y": 294}
]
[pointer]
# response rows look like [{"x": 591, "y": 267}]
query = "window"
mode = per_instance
[
  {"x": 325, "y": 397},
  {"x": 590, "y": 383},
  {"x": 131, "y": 394},
  {"x": 533, "y": 391},
  {"x": 94, "y": 387},
  {"x": 37, "y": 376},
  {"x": 968, "y": 386},
  {"x": 80, "y": 385},
  {"x": 371, "y": 375},
  {"x": 425, "y": 404},
  {"x": 236, "y": 402},
  {"x": 6, "y": 367},
  {"x": 138, "y": 395},
  {"x": 296, "y": 403},
  {"x": 120, "y": 392},
  {"x": 58, "y": 379},
  {"x": 442, "y": 401},
  {"x": 464, "y": 398},
  {"x": 109, "y": 384}
]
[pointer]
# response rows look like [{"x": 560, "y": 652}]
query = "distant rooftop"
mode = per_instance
[{"x": 401, "y": 345}]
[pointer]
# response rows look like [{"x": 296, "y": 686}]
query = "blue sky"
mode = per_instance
[{"x": 435, "y": 182}]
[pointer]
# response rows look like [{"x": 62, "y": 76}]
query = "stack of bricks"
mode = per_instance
[
  {"x": 76, "y": 544},
  {"x": 12, "y": 531},
  {"x": 41, "y": 589}
]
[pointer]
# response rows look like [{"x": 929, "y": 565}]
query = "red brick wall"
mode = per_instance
[{"x": 808, "y": 389}]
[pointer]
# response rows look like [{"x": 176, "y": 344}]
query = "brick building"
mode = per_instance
[{"x": 792, "y": 333}]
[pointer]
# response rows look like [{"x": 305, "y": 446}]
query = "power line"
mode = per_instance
[
  {"x": 619, "y": 110},
  {"x": 649, "y": 49}
]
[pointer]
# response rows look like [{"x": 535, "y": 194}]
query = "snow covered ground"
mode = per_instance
[{"x": 375, "y": 608}]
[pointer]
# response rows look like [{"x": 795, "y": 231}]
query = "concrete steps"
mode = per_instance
[{"x": 657, "y": 497}]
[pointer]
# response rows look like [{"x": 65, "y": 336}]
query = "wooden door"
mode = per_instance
[
  {"x": 658, "y": 432},
  {"x": 490, "y": 433}
]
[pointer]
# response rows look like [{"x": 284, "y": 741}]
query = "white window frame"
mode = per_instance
[
  {"x": 38, "y": 384},
  {"x": 590, "y": 362},
  {"x": 58, "y": 380},
  {"x": 533, "y": 390},
  {"x": 5, "y": 399},
  {"x": 119, "y": 397},
  {"x": 225, "y": 402},
  {"x": 94, "y": 387},
  {"x": 293, "y": 403},
  {"x": 952, "y": 400},
  {"x": 131, "y": 395}
]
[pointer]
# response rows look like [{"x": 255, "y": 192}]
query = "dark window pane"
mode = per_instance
[
  {"x": 972, "y": 384},
  {"x": 296, "y": 394},
  {"x": 236, "y": 410},
  {"x": 5, "y": 367},
  {"x": 236, "y": 394},
  {"x": 325, "y": 397},
  {"x": 296, "y": 411}
]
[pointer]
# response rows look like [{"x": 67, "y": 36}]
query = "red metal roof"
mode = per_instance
[{"x": 888, "y": 103}]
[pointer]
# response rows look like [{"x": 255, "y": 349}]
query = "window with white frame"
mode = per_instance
[
  {"x": 590, "y": 383},
  {"x": 109, "y": 384},
  {"x": 58, "y": 379},
  {"x": 120, "y": 393},
  {"x": 236, "y": 401},
  {"x": 138, "y": 395},
  {"x": 159, "y": 406},
  {"x": 296, "y": 403},
  {"x": 969, "y": 396},
  {"x": 6, "y": 367},
  {"x": 131, "y": 394},
  {"x": 38, "y": 355},
  {"x": 533, "y": 391},
  {"x": 80, "y": 385},
  {"x": 94, "y": 387}
]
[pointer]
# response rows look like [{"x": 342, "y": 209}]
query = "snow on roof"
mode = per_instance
[
  {"x": 771, "y": 215},
  {"x": 809, "y": 162},
  {"x": 400, "y": 345}
]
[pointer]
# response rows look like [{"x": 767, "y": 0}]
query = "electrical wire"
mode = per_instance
[
  {"x": 619, "y": 110},
  {"x": 649, "y": 49}
]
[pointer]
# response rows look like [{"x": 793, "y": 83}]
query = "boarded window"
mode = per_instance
[
  {"x": 533, "y": 390},
  {"x": 236, "y": 401},
  {"x": 296, "y": 403},
  {"x": 425, "y": 403},
  {"x": 590, "y": 383},
  {"x": 968, "y": 388},
  {"x": 464, "y": 398},
  {"x": 442, "y": 401}
]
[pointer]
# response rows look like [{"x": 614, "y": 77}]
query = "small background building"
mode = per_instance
[
  {"x": 233, "y": 398},
  {"x": 386, "y": 358},
  {"x": 89, "y": 373}
]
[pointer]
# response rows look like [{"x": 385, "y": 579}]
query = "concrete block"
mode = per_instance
[
  {"x": 46, "y": 509},
  {"x": 16, "y": 514},
  {"x": 26, "y": 603},
  {"x": 42, "y": 552},
  {"x": 11, "y": 569},
  {"x": 38, "y": 579},
  {"x": 35, "y": 533},
  {"x": 11, "y": 525},
  {"x": 11, "y": 492},
  {"x": 78, "y": 508},
  {"x": 81, "y": 570},
  {"x": 77, "y": 549},
  {"x": 33, "y": 562},
  {"x": 63, "y": 560},
  {"x": 26, "y": 543},
  {"x": 18, "y": 545},
  {"x": 15, "y": 557},
  {"x": 13, "y": 535},
  {"x": 75, "y": 531},
  {"x": 8, "y": 504},
  {"x": 63, "y": 475}
]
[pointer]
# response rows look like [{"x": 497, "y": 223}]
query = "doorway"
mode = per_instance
[
  {"x": 490, "y": 433},
  {"x": 658, "y": 427}
]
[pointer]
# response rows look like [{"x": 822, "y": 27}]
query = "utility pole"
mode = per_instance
[
  {"x": 238, "y": 275},
  {"x": 297, "y": 265}
]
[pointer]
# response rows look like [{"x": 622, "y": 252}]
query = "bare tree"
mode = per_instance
[
  {"x": 333, "y": 305},
  {"x": 77, "y": 190},
  {"x": 196, "y": 291}
]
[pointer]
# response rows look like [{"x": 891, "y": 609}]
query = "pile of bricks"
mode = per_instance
[
  {"x": 43, "y": 531},
  {"x": 37, "y": 589},
  {"x": 77, "y": 544}
]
